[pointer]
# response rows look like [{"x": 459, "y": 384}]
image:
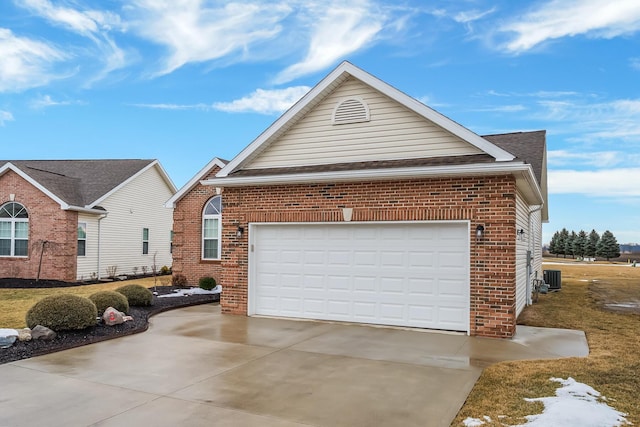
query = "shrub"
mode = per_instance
[
  {"x": 62, "y": 312},
  {"x": 164, "y": 270},
  {"x": 106, "y": 299},
  {"x": 207, "y": 283},
  {"x": 137, "y": 295},
  {"x": 179, "y": 280}
]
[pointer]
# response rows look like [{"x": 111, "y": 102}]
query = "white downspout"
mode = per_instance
[
  {"x": 103, "y": 216},
  {"x": 531, "y": 249}
]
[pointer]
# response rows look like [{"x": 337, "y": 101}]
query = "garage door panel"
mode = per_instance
[{"x": 386, "y": 273}]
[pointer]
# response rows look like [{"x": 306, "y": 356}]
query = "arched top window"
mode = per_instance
[
  {"x": 14, "y": 230},
  {"x": 212, "y": 229}
]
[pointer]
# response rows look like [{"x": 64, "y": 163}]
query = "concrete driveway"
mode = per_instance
[{"x": 196, "y": 367}]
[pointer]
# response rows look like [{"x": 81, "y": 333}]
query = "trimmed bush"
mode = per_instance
[
  {"x": 62, "y": 312},
  {"x": 106, "y": 299},
  {"x": 179, "y": 280},
  {"x": 207, "y": 283},
  {"x": 137, "y": 295}
]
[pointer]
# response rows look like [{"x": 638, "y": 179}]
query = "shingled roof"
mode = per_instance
[
  {"x": 529, "y": 147},
  {"x": 79, "y": 183}
]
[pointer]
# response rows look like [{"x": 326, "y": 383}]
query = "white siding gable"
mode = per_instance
[
  {"x": 137, "y": 205},
  {"x": 393, "y": 132}
]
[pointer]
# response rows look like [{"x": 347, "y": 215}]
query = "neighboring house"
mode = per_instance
[
  {"x": 83, "y": 219},
  {"x": 361, "y": 204}
]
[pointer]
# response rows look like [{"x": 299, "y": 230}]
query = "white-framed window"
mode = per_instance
[
  {"x": 14, "y": 230},
  {"x": 171, "y": 242},
  {"x": 212, "y": 228},
  {"x": 145, "y": 241},
  {"x": 82, "y": 238}
]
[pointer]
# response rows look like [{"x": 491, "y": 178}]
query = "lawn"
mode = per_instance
[
  {"x": 612, "y": 367},
  {"x": 14, "y": 303}
]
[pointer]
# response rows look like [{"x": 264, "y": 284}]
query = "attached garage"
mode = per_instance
[{"x": 392, "y": 273}]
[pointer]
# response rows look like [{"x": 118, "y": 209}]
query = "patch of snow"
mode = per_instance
[
  {"x": 575, "y": 405},
  {"x": 5, "y": 333},
  {"x": 192, "y": 291},
  {"x": 627, "y": 305},
  {"x": 472, "y": 422}
]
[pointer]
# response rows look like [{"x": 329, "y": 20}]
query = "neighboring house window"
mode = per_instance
[
  {"x": 145, "y": 241},
  {"x": 14, "y": 230},
  {"x": 212, "y": 228},
  {"x": 82, "y": 238},
  {"x": 171, "y": 242}
]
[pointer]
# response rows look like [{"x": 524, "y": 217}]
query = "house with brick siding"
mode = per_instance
[
  {"x": 361, "y": 204},
  {"x": 83, "y": 219}
]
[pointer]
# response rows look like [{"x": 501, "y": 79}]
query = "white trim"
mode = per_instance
[
  {"x": 154, "y": 163},
  {"x": 251, "y": 289},
  {"x": 85, "y": 210},
  {"x": 216, "y": 161},
  {"x": 26, "y": 177},
  {"x": 333, "y": 78},
  {"x": 219, "y": 237},
  {"x": 522, "y": 171}
]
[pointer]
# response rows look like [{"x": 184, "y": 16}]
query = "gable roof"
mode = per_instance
[
  {"x": 81, "y": 184},
  {"x": 216, "y": 161},
  {"x": 326, "y": 86}
]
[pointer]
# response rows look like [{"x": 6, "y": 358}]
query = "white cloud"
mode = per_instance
[
  {"x": 341, "y": 30},
  {"x": 611, "y": 183},
  {"x": 26, "y": 63},
  {"x": 265, "y": 101},
  {"x": 193, "y": 32},
  {"x": 635, "y": 63},
  {"x": 565, "y": 18},
  {"x": 601, "y": 159},
  {"x": 175, "y": 107},
  {"x": 5, "y": 116},
  {"x": 46, "y": 101},
  {"x": 472, "y": 15},
  {"x": 515, "y": 108},
  {"x": 92, "y": 24}
]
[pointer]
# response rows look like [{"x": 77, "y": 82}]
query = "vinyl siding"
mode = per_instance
[
  {"x": 522, "y": 245},
  {"x": 394, "y": 132},
  {"x": 137, "y": 205}
]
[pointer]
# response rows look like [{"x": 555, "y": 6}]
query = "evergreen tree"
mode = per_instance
[
  {"x": 568, "y": 243},
  {"x": 579, "y": 244},
  {"x": 591, "y": 244},
  {"x": 553, "y": 245},
  {"x": 608, "y": 246},
  {"x": 562, "y": 238}
]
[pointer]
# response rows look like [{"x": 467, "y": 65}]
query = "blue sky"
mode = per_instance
[{"x": 184, "y": 81}]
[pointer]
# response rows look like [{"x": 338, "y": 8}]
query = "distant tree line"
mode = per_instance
[{"x": 584, "y": 245}]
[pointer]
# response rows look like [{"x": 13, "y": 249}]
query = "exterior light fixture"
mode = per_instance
[
  {"x": 240, "y": 232},
  {"x": 520, "y": 234},
  {"x": 479, "y": 232}
]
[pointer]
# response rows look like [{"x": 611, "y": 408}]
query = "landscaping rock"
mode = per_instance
[
  {"x": 112, "y": 317},
  {"x": 42, "y": 333},
  {"x": 24, "y": 334},
  {"x": 8, "y": 337}
]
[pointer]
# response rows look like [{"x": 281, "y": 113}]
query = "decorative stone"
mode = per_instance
[
  {"x": 8, "y": 337},
  {"x": 42, "y": 333},
  {"x": 112, "y": 317},
  {"x": 24, "y": 334},
  {"x": 127, "y": 318}
]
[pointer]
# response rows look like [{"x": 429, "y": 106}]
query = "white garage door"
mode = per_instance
[{"x": 403, "y": 274}]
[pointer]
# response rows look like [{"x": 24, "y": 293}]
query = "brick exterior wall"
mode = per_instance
[
  {"x": 187, "y": 235},
  {"x": 487, "y": 201},
  {"x": 47, "y": 223}
]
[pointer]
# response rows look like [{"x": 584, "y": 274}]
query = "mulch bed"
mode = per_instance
[{"x": 70, "y": 339}]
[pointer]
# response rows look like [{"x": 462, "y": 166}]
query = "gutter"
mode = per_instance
[
  {"x": 103, "y": 216},
  {"x": 532, "y": 244}
]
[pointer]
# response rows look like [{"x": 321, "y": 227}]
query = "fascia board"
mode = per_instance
[
  {"x": 171, "y": 203},
  {"x": 522, "y": 171},
  {"x": 123, "y": 184},
  {"x": 10, "y": 166},
  {"x": 87, "y": 210}
]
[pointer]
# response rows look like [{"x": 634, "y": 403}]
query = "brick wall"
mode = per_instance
[
  {"x": 487, "y": 201},
  {"x": 47, "y": 223},
  {"x": 187, "y": 235}
]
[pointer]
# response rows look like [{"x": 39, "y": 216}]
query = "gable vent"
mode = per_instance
[{"x": 351, "y": 110}]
